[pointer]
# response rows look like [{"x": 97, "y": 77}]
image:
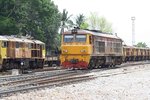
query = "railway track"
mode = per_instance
[
  {"x": 34, "y": 81},
  {"x": 30, "y": 72},
  {"x": 124, "y": 65},
  {"x": 47, "y": 69},
  {"x": 43, "y": 82},
  {"x": 4, "y": 79},
  {"x": 123, "y": 69},
  {"x": 39, "y": 73}
]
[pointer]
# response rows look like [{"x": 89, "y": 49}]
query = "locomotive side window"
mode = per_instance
[
  {"x": 80, "y": 38},
  {"x": 97, "y": 46},
  {"x": 100, "y": 46},
  {"x": 32, "y": 45},
  {"x": 17, "y": 44},
  {"x": 4, "y": 44},
  {"x": 68, "y": 38},
  {"x": 29, "y": 45},
  {"x": 118, "y": 47},
  {"x": 37, "y": 46}
]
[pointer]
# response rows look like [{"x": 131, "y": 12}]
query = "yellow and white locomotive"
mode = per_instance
[{"x": 21, "y": 52}]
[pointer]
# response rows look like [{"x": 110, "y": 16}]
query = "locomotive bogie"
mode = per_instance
[{"x": 104, "y": 61}]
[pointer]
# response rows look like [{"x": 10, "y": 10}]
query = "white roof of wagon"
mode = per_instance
[
  {"x": 38, "y": 42},
  {"x": 3, "y": 38},
  {"x": 28, "y": 40},
  {"x": 11, "y": 38}
]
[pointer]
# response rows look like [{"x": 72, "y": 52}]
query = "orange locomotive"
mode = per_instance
[{"x": 84, "y": 49}]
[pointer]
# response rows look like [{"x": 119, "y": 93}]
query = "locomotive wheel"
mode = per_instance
[
  {"x": 98, "y": 64},
  {"x": 111, "y": 65},
  {"x": 114, "y": 65},
  {"x": 91, "y": 66},
  {"x": 11, "y": 65},
  {"x": 106, "y": 66},
  {"x": 102, "y": 66}
]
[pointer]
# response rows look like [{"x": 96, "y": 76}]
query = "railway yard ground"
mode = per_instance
[{"x": 127, "y": 82}]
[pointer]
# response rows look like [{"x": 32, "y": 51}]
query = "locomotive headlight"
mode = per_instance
[
  {"x": 83, "y": 50},
  {"x": 65, "y": 51}
]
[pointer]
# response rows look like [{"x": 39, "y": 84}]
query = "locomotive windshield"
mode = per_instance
[
  {"x": 68, "y": 38},
  {"x": 80, "y": 38},
  {"x": 75, "y": 38}
]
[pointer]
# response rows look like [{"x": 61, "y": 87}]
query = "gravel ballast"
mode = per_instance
[{"x": 126, "y": 86}]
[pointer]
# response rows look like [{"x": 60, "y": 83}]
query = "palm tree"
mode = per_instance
[
  {"x": 80, "y": 19},
  {"x": 65, "y": 21}
]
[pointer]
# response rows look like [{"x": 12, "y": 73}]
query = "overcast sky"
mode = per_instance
[{"x": 118, "y": 12}]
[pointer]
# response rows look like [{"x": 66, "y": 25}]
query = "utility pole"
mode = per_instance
[{"x": 133, "y": 30}]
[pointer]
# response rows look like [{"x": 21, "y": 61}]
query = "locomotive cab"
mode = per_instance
[{"x": 75, "y": 49}]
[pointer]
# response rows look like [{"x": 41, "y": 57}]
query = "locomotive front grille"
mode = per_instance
[{"x": 74, "y": 61}]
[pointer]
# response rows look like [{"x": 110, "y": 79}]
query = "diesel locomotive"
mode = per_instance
[
  {"x": 21, "y": 53},
  {"x": 89, "y": 49}
]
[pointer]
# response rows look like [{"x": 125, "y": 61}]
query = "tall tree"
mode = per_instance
[
  {"x": 104, "y": 25},
  {"x": 141, "y": 44},
  {"x": 99, "y": 23},
  {"x": 12, "y": 16},
  {"x": 93, "y": 19},
  {"x": 84, "y": 25},
  {"x": 65, "y": 21},
  {"x": 79, "y": 20},
  {"x": 38, "y": 18}
]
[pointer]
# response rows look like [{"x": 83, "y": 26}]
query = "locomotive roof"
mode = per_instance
[
  {"x": 28, "y": 40},
  {"x": 14, "y": 38},
  {"x": 79, "y": 31},
  {"x": 3, "y": 38},
  {"x": 38, "y": 42}
]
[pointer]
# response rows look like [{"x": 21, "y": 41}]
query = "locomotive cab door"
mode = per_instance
[
  {"x": 4, "y": 45},
  {"x": 0, "y": 54}
]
